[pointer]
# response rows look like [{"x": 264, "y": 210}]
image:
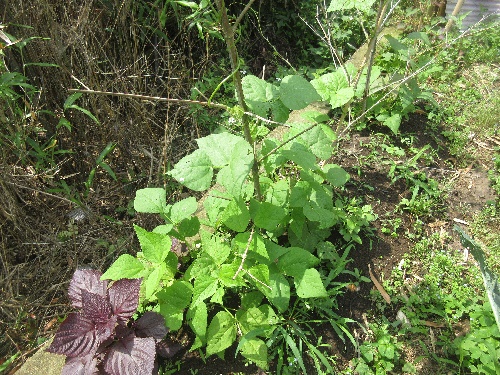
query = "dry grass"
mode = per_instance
[{"x": 100, "y": 47}]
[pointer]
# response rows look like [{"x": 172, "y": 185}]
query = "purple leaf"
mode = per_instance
[
  {"x": 151, "y": 324},
  {"x": 86, "y": 279},
  {"x": 76, "y": 337},
  {"x": 86, "y": 365},
  {"x": 131, "y": 356},
  {"x": 124, "y": 298},
  {"x": 167, "y": 348},
  {"x": 95, "y": 307}
]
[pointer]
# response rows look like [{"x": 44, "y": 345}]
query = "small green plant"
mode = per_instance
[
  {"x": 381, "y": 354},
  {"x": 479, "y": 350}
]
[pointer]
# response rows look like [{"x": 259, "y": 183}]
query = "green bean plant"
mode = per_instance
[{"x": 255, "y": 262}]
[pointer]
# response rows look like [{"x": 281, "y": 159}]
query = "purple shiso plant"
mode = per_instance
[{"x": 102, "y": 337}]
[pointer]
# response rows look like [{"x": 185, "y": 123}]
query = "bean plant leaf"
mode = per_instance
[
  {"x": 183, "y": 209},
  {"x": 126, "y": 266},
  {"x": 491, "y": 280},
  {"x": 204, "y": 287},
  {"x": 256, "y": 249},
  {"x": 221, "y": 333},
  {"x": 309, "y": 284},
  {"x": 150, "y": 200},
  {"x": 173, "y": 300},
  {"x": 152, "y": 281},
  {"x": 214, "y": 206},
  {"x": 236, "y": 216},
  {"x": 218, "y": 147},
  {"x": 280, "y": 291},
  {"x": 255, "y": 350},
  {"x": 297, "y": 93},
  {"x": 335, "y": 175},
  {"x": 301, "y": 155},
  {"x": 256, "y": 89},
  {"x": 267, "y": 215},
  {"x": 295, "y": 261},
  {"x": 155, "y": 246},
  {"x": 215, "y": 247},
  {"x": 198, "y": 321},
  {"x": 195, "y": 171},
  {"x": 318, "y": 139},
  {"x": 334, "y": 88},
  {"x": 234, "y": 175},
  {"x": 363, "y": 5}
]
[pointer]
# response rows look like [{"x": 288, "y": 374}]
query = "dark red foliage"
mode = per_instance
[{"x": 98, "y": 338}]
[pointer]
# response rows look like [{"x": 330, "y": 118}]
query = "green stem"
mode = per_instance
[{"x": 228, "y": 33}]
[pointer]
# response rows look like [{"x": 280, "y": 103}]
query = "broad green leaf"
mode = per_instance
[
  {"x": 125, "y": 267},
  {"x": 171, "y": 263},
  {"x": 221, "y": 333},
  {"x": 255, "y": 350},
  {"x": 396, "y": 44},
  {"x": 361, "y": 5},
  {"x": 278, "y": 192},
  {"x": 150, "y": 200},
  {"x": 328, "y": 84},
  {"x": 251, "y": 299},
  {"x": 204, "y": 287},
  {"x": 183, "y": 209},
  {"x": 214, "y": 205},
  {"x": 255, "y": 89},
  {"x": 301, "y": 155},
  {"x": 419, "y": 35},
  {"x": 204, "y": 264},
  {"x": 309, "y": 284},
  {"x": 300, "y": 194},
  {"x": 280, "y": 291},
  {"x": 257, "y": 317},
  {"x": 280, "y": 111},
  {"x": 217, "y": 296},
  {"x": 234, "y": 175},
  {"x": 341, "y": 97},
  {"x": 335, "y": 174},
  {"x": 297, "y": 93},
  {"x": 260, "y": 278},
  {"x": 152, "y": 281},
  {"x": 236, "y": 216},
  {"x": 296, "y": 261},
  {"x": 267, "y": 215},
  {"x": 393, "y": 122},
  {"x": 324, "y": 217},
  {"x": 215, "y": 247},
  {"x": 318, "y": 139},
  {"x": 188, "y": 227},
  {"x": 219, "y": 147},
  {"x": 228, "y": 271},
  {"x": 256, "y": 247},
  {"x": 177, "y": 295},
  {"x": 198, "y": 321},
  {"x": 194, "y": 171},
  {"x": 155, "y": 246},
  {"x": 173, "y": 300},
  {"x": 491, "y": 280}
]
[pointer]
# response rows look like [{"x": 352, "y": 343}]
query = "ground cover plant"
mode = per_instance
[{"x": 257, "y": 257}]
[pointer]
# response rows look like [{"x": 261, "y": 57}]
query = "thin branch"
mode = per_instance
[
  {"x": 242, "y": 14},
  {"x": 260, "y": 282},
  {"x": 153, "y": 98},
  {"x": 244, "y": 256},
  {"x": 288, "y": 141}
]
